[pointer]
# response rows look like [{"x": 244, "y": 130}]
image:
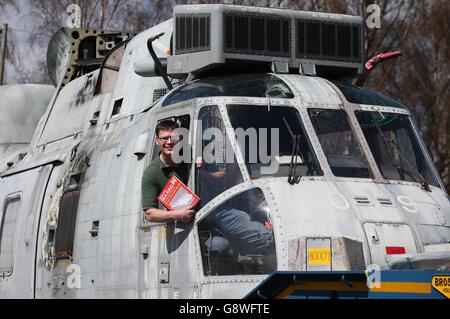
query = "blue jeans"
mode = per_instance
[{"x": 235, "y": 227}]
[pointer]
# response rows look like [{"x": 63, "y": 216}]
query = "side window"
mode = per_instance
[
  {"x": 66, "y": 224},
  {"x": 237, "y": 238},
  {"x": 68, "y": 210},
  {"x": 219, "y": 170},
  {"x": 110, "y": 69},
  {"x": 8, "y": 232},
  {"x": 60, "y": 238},
  {"x": 183, "y": 121},
  {"x": 181, "y": 148}
]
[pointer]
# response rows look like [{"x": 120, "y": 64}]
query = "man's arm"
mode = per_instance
[
  {"x": 161, "y": 216},
  {"x": 150, "y": 204},
  {"x": 214, "y": 175}
]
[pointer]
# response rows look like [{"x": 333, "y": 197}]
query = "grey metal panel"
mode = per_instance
[
  {"x": 31, "y": 186},
  {"x": 433, "y": 234},
  {"x": 71, "y": 110},
  {"x": 424, "y": 261},
  {"x": 33, "y": 161}
]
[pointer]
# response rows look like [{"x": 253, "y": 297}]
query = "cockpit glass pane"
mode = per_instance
[
  {"x": 339, "y": 143},
  {"x": 395, "y": 147},
  {"x": 237, "y": 237},
  {"x": 266, "y": 138},
  {"x": 216, "y": 166},
  {"x": 357, "y": 95},
  {"x": 249, "y": 85}
]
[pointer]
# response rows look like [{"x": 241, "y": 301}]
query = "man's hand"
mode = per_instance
[
  {"x": 184, "y": 215},
  {"x": 199, "y": 162}
]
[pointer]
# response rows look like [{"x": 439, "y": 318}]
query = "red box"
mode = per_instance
[{"x": 176, "y": 195}]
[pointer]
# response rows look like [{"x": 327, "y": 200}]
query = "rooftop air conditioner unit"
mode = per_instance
[{"x": 207, "y": 37}]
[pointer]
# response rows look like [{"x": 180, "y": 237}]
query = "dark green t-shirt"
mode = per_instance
[{"x": 155, "y": 177}]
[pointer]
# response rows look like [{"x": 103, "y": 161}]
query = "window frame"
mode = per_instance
[
  {"x": 420, "y": 145},
  {"x": 302, "y": 126},
  {"x": 9, "y": 198},
  {"x": 153, "y": 148},
  {"x": 98, "y": 86},
  {"x": 167, "y": 101},
  {"x": 215, "y": 203},
  {"x": 363, "y": 92},
  {"x": 325, "y": 159},
  {"x": 57, "y": 235},
  {"x": 226, "y": 126}
]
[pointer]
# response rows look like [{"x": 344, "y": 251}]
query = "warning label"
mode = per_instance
[
  {"x": 319, "y": 256},
  {"x": 442, "y": 284}
]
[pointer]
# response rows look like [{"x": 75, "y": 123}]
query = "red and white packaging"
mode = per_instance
[{"x": 175, "y": 195}]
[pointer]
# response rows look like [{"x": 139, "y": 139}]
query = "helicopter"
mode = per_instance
[{"x": 354, "y": 185}]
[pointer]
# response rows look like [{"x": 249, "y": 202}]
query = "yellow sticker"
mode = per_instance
[
  {"x": 319, "y": 256},
  {"x": 441, "y": 284}
]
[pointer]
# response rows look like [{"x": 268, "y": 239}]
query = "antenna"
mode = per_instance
[{"x": 3, "y": 31}]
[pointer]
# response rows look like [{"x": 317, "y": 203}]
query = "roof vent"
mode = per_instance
[
  {"x": 193, "y": 33},
  {"x": 362, "y": 200},
  {"x": 257, "y": 34},
  {"x": 159, "y": 93},
  {"x": 385, "y": 201}
]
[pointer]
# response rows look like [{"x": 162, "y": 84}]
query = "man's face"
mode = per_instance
[{"x": 166, "y": 140}]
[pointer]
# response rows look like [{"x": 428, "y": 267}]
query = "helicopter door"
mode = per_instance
[
  {"x": 236, "y": 236},
  {"x": 21, "y": 197}
]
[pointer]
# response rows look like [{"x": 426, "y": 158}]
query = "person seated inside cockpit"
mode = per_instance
[
  {"x": 233, "y": 226},
  {"x": 237, "y": 229}
]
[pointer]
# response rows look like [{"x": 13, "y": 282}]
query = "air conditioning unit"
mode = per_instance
[{"x": 207, "y": 37}]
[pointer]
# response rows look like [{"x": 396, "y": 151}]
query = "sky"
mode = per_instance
[{"x": 20, "y": 23}]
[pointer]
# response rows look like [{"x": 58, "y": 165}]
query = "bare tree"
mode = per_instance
[
  {"x": 50, "y": 15},
  {"x": 421, "y": 78},
  {"x": 7, "y": 3}
]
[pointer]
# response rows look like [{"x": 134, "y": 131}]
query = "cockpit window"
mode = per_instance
[
  {"x": 249, "y": 85},
  {"x": 395, "y": 147},
  {"x": 110, "y": 69},
  {"x": 359, "y": 95},
  {"x": 266, "y": 137},
  {"x": 237, "y": 237},
  {"x": 339, "y": 143},
  {"x": 216, "y": 166}
]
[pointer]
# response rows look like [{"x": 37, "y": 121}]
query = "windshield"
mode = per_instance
[
  {"x": 250, "y": 85},
  {"x": 265, "y": 140},
  {"x": 339, "y": 143},
  {"x": 357, "y": 95},
  {"x": 397, "y": 152}
]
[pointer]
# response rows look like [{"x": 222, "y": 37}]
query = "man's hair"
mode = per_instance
[{"x": 166, "y": 125}]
